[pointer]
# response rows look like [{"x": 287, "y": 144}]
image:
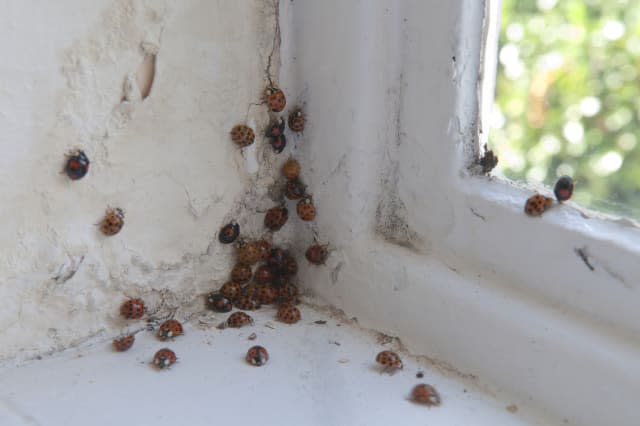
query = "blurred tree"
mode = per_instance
[{"x": 568, "y": 98}]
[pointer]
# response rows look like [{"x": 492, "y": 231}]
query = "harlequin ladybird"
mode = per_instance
[
  {"x": 264, "y": 247},
  {"x": 291, "y": 169},
  {"x": 288, "y": 314},
  {"x": 239, "y": 319},
  {"x": 294, "y": 189},
  {"x": 288, "y": 294},
  {"x": 247, "y": 303},
  {"x": 264, "y": 274},
  {"x": 296, "y": 120},
  {"x": 390, "y": 360},
  {"x": 306, "y": 210},
  {"x": 425, "y": 394},
  {"x": 276, "y": 217},
  {"x": 537, "y": 204},
  {"x": 164, "y": 358},
  {"x": 274, "y": 96},
  {"x": 275, "y": 129},
  {"x": 170, "y": 328},
  {"x": 276, "y": 257},
  {"x": 289, "y": 266},
  {"x": 563, "y": 189},
  {"x": 266, "y": 294},
  {"x": 132, "y": 309},
  {"x": 249, "y": 253},
  {"x": 113, "y": 222},
  {"x": 124, "y": 343},
  {"x": 241, "y": 273},
  {"x": 219, "y": 303},
  {"x": 229, "y": 233},
  {"x": 242, "y": 135},
  {"x": 231, "y": 290},
  {"x": 279, "y": 144},
  {"x": 77, "y": 165},
  {"x": 316, "y": 254},
  {"x": 257, "y": 355}
]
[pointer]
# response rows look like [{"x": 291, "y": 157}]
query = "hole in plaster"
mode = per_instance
[{"x": 145, "y": 75}]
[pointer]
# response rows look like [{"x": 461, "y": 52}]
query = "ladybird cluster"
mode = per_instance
[{"x": 537, "y": 204}]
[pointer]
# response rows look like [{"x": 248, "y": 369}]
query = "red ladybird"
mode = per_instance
[
  {"x": 274, "y": 96},
  {"x": 113, "y": 222},
  {"x": 229, "y": 233},
  {"x": 289, "y": 266},
  {"x": 257, "y": 355},
  {"x": 563, "y": 188},
  {"x": 288, "y": 294},
  {"x": 77, "y": 165},
  {"x": 279, "y": 144},
  {"x": 306, "y": 210},
  {"x": 231, "y": 290},
  {"x": 249, "y": 253},
  {"x": 239, "y": 319},
  {"x": 242, "y": 135},
  {"x": 124, "y": 343},
  {"x": 317, "y": 254},
  {"x": 288, "y": 314},
  {"x": 537, "y": 204},
  {"x": 241, "y": 273},
  {"x": 247, "y": 302},
  {"x": 266, "y": 294},
  {"x": 425, "y": 394},
  {"x": 276, "y": 257},
  {"x": 264, "y": 247},
  {"x": 264, "y": 274},
  {"x": 276, "y": 217},
  {"x": 389, "y": 360},
  {"x": 169, "y": 329},
  {"x": 132, "y": 309},
  {"x": 164, "y": 358},
  {"x": 219, "y": 303}
]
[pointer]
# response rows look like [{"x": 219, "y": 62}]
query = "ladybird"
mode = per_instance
[
  {"x": 276, "y": 217},
  {"x": 276, "y": 258},
  {"x": 264, "y": 274},
  {"x": 288, "y": 294},
  {"x": 266, "y": 294},
  {"x": 288, "y": 313},
  {"x": 291, "y": 169},
  {"x": 306, "y": 210},
  {"x": 170, "y": 328},
  {"x": 537, "y": 204},
  {"x": 275, "y": 129},
  {"x": 563, "y": 189},
  {"x": 113, "y": 222},
  {"x": 247, "y": 303},
  {"x": 294, "y": 189},
  {"x": 132, "y": 309},
  {"x": 241, "y": 273},
  {"x": 316, "y": 254},
  {"x": 77, "y": 165},
  {"x": 390, "y": 360},
  {"x": 242, "y": 135},
  {"x": 239, "y": 319},
  {"x": 264, "y": 247},
  {"x": 219, "y": 303},
  {"x": 231, "y": 290},
  {"x": 274, "y": 96},
  {"x": 296, "y": 120},
  {"x": 124, "y": 343},
  {"x": 289, "y": 266},
  {"x": 229, "y": 233},
  {"x": 279, "y": 144},
  {"x": 257, "y": 355},
  {"x": 164, "y": 358},
  {"x": 425, "y": 394},
  {"x": 249, "y": 253}
]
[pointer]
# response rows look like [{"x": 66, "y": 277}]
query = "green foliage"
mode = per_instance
[{"x": 568, "y": 98}]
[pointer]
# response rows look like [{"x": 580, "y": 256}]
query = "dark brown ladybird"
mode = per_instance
[
  {"x": 289, "y": 266},
  {"x": 279, "y": 144},
  {"x": 389, "y": 360},
  {"x": 231, "y": 290},
  {"x": 77, "y": 165},
  {"x": 219, "y": 303},
  {"x": 306, "y": 210},
  {"x": 249, "y": 253},
  {"x": 274, "y": 96},
  {"x": 291, "y": 169},
  {"x": 264, "y": 274},
  {"x": 276, "y": 217},
  {"x": 124, "y": 343},
  {"x": 297, "y": 120},
  {"x": 239, "y": 319},
  {"x": 563, "y": 189},
  {"x": 242, "y": 135},
  {"x": 169, "y": 329},
  {"x": 132, "y": 309},
  {"x": 266, "y": 294},
  {"x": 257, "y": 355},
  {"x": 537, "y": 204},
  {"x": 112, "y": 222},
  {"x": 229, "y": 233},
  {"x": 247, "y": 303},
  {"x": 275, "y": 129},
  {"x": 164, "y": 358},
  {"x": 425, "y": 394},
  {"x": 288, "y": 314},
  {"x": 317, "y": 254},
  {"x": 294, "y": 189},
  {"x": 276, "y": 257},
  {"x": 241, "y": 273}
]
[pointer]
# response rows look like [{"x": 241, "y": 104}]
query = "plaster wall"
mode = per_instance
[{"x": 72, "y": 79}]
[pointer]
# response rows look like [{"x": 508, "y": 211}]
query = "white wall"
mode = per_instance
[{"x": 167, "y": 160}]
